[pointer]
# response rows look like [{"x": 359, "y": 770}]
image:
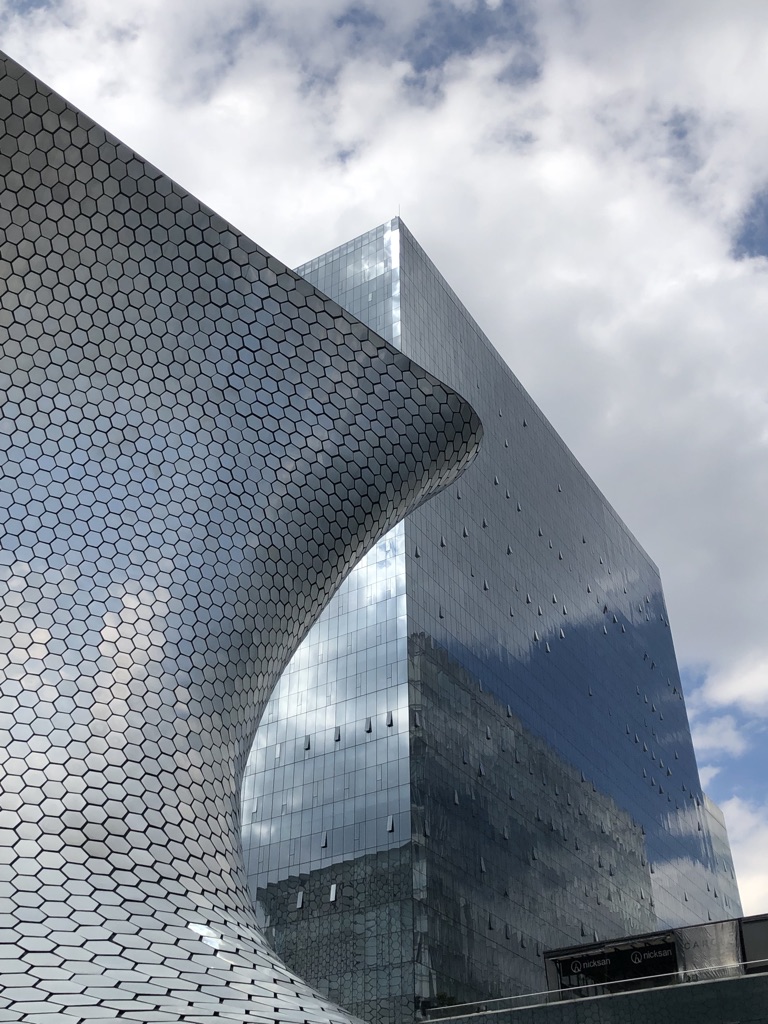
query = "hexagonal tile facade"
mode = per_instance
[{"x": 196, "y": 446}]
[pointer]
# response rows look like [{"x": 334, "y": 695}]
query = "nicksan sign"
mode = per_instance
[{"x": 628, "y": 964}]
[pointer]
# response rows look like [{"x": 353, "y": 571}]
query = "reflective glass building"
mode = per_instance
[{"x": 481, "y": 751}]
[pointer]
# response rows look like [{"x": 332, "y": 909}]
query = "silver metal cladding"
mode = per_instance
[{"x": 195, "y": 447}]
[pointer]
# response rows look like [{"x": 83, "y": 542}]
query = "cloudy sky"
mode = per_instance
[{"x": 592, "y": 178}]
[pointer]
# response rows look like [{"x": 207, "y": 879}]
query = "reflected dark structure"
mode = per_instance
[
  {"x": 482, "y": 746},
  {"x": 700, "y": 974},
  {"x": 696, "y": 953},
  {"x": 196, "y": 446}
]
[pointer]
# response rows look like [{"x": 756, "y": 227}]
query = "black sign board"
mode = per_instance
[{"x": 600, "y": 967}]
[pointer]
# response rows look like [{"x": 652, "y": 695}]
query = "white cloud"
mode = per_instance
[
  {"x": 743, "y": 683},
  {"x": 748, "y": 832},
  {"x": 719, "y": 735},
  {"x": 707, "y": 772}
]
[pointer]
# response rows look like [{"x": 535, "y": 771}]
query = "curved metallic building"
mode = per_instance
[{"x": 196, "y": 446}]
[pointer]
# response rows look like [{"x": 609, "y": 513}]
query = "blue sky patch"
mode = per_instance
[
  {"x": 24, "y": 7},
  {"x": 360, "y": 22},
  {"x": 752, "y": 237},
  {"x": 742, "y": 776},
  {"x": 448, "y": 31}
]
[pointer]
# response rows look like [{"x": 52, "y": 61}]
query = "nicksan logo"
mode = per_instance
[
  {"x": 577, "y": 966},
  {"x": 649, "y": 954}
]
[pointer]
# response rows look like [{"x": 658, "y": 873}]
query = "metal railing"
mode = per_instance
[{"x": 717, "y": 972}]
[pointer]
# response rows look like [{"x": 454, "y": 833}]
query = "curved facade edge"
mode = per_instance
[{"x": 196, "y": 446}]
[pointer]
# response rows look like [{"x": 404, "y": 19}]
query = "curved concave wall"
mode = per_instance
[{"x": 196, "y": 446}]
